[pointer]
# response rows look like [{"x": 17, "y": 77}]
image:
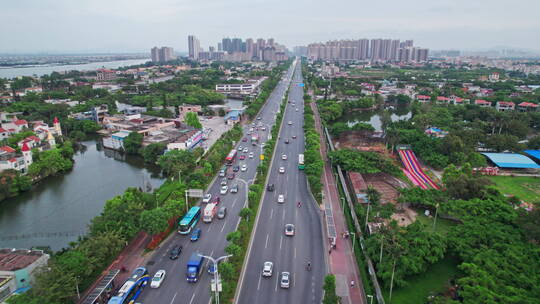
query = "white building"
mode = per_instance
[{"x": 116, "y": 140}]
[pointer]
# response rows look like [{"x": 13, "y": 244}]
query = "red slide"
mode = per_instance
[{"x": 419, "y": 177}]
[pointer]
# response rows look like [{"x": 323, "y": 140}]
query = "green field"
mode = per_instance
[
  {"x": 442, "y": 226},
  {"x": 524, "y": 187},
  {"x": 434, "y": 280}
]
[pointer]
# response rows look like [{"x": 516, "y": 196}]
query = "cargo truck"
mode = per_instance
[{"x": 194, "y": 266}]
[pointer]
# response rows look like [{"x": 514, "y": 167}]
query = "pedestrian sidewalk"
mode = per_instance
[
  {"x": 131, "y": 257},
  {"x": 342, "y": 261}
]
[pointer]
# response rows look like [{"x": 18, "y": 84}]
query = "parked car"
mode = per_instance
[
  {"x": 175, "y": 252},
  {"x": 234, "y": 189},
  {"x": 281, "y": 199},
  {"x": 158, "y": 279},
  {"x": 289, "y": 229},
  {"x": 207, "y": 197},
  {"x": 222, "y": 212},
  {"x": 267, "y": 269},
  {"x": 270, "y": 187},
  {"x": 285, "y": 280},
  {"x": 224, "y": 190},
  {"x": 196, "y": 235}
]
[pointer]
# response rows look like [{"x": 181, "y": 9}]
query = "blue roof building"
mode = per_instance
[
  {"x": 535, "y": 154},
  {"x": 511, "y": 160}
]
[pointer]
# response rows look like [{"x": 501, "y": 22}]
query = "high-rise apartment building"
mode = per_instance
[
  {"x": 376, "y": 50},
  {"x": 194, "y": 47},
  {"x": 162, "y": 54}
]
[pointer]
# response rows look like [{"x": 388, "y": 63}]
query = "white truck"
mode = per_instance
[{"x": 209, "y": 212}]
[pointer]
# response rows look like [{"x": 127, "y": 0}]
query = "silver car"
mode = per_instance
[
  {"x": 285, "y": 281},
  {"x": 267, "y": 269}
]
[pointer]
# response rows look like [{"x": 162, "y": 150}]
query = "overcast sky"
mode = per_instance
[{"x": 137, "y": 25}]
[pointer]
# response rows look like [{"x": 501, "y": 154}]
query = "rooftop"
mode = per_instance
[
  {"x": 511, "y": 160},
  {"x": 11, "y": 260}
]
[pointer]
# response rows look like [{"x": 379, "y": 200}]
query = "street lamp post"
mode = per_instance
[
  {"x": 436, "y": 211},
  {"x": 187, "y": 202},
  {"x": 342, "y": 203},
  {"x": 216, "y": 274}
]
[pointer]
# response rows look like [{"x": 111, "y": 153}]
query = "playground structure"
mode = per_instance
[{"x": 413, "y": 170}]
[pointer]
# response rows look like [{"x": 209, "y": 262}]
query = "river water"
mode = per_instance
[
  {"x": 60, "y": 208},
  {"x": 47, "y": 69}
]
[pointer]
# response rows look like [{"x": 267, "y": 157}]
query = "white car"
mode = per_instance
[
  {"x": 267, "y": 269},
  {"x": 244, "y": 168},
  {"x": 289, "y": 230},
  {"x": 264, "y": 128},
  {"x": 281, "y": 199},
  {"x": 240, "y": 148},
  {"x": 290, "y": 123},
  {"x": 250, "y": 154},
  {"x": 158, "y": 279},
  {"x": 224, "y": 190},
  {"x": 281, "y": 169},
  {"x": 207, "y": 197},
  {"x": 246, "y": 150},
  {"x": 285, "y": 281},
  {"x": 284, "y": 156}
]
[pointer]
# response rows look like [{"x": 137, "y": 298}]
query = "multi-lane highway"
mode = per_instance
[
  {"x": 287, "y": 253},
  {"x": 175, "y": 288}
]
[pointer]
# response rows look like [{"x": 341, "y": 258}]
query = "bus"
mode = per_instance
[
  {"x": 301, "y": 165},
  {"x": 190, "y": 220},
  {"x": 132, "y": 288},
  {"x": 231, "y": 157},
  {"x": 254, "y": 139}
]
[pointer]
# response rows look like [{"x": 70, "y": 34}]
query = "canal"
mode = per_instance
[{"x": 60, "y": 208}]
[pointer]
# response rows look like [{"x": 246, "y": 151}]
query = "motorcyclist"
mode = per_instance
[
  {"x": 299, "y": 204},
  {"x": 308, "y": 266}
]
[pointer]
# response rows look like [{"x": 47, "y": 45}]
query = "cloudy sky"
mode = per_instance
[{"x": 137, "y": 25}]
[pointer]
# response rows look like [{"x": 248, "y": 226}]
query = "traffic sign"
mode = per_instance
[
  {"x": 301, "y": 84},
  {"x": 195, "y": 192}
]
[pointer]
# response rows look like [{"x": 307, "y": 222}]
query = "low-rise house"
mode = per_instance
[
  {"x": 10, "y": 159},
  {"x": 184, "y": 109},
  {"x": 423, "y": 98},
  {"x": 528, "y": 107},
  {"x": 105, "y": 75},
  {"x": 186, "y": 141},
  {"x": 18, "y": 268},
  {"x": 14, "y": 125},
  {"x": 443, "y": 100},
  {"x": 502, "y": 106},
  {"x": 482, "y": 103}
]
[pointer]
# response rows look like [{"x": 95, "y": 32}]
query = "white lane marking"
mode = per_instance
[
  {"x": 277, "y": 280},
  {"x": 294, "y": 279},
  {"x": 283, "y": 216},
  {"x": 295, "y": 253},
  {"x": 280, "y": 242},
  {"x": 238, "y": 223},
  {"x": 266, "y": 243},
  {"x": 210, "y": 228},
  {"x": 271, "y": 213},
  {"x": 192, "y": 297},
  {"x": 223, "y": 227},
  {"x": 212, "y": 253},
  {"x": 259, "y": 284},
  {"x": 174, "y": 297}
]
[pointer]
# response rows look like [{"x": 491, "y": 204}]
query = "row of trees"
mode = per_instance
[
  {"x": 363, "y": 162},
  {"x": 312, "y": 154}
]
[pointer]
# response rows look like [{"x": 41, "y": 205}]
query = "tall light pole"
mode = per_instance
[
  {"x": 216, "y": 275},
  {"x": 436, "y": 211},
  {"x": 342, "y": 203}
]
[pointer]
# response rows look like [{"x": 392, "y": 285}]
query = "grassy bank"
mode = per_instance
[{"x": 524, "y": 187}]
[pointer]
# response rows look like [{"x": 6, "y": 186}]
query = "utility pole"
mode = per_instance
[{"x": 435, "y": 221}]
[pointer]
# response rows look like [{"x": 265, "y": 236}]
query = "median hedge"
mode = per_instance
[
  {"x": 312, "y": 153},
  {"x": 239, "y": 240}
]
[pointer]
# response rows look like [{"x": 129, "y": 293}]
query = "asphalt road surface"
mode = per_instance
[
  {"x": 288, "y": 253},
  {"x": 175, "y": 288}
]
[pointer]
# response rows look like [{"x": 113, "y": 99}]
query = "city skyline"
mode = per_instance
[{"x": 135, "y": 26}]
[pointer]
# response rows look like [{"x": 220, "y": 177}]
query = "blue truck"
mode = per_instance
[{"x": 194, "y": 267}]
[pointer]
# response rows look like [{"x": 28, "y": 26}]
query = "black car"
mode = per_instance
[
  {"x": 175, "y": 252},
  {"x": 286, "y": 141},
  {"x": 236, "y": 168},
  {"x": 270, "y": 187}
]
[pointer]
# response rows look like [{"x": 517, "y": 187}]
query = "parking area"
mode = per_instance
[{"x": 216, "y": 127}]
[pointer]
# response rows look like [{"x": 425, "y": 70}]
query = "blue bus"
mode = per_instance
[
  {"x": 132, "y": 288},
  {"x": 190, "y": 220}
]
